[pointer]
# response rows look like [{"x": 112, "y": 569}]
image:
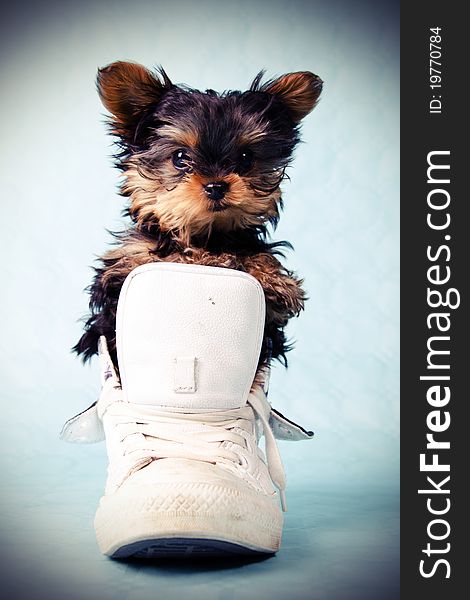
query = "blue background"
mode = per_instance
[{"x": 59, "y": 193}]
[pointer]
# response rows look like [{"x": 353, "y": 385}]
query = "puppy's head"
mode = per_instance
[{"x": 195, "y": 162}]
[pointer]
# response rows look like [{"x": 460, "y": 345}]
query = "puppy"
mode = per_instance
[{"x": 202, "y": 172}]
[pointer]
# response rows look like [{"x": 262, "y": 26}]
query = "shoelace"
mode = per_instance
[{"x": 163, "y": 433}]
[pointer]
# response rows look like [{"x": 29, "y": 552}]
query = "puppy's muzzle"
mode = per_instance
[{"x": 216, "y": 190}]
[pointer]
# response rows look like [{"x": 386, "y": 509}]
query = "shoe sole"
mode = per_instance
[
  {"x": 185, "y": 547},
  {"x": 187, "y": 519}
]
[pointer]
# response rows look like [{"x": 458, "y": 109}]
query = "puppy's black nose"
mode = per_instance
[{"x": 216, "y": 190}]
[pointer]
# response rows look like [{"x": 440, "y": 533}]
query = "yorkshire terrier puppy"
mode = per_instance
[{"x": 202, "y": 172}]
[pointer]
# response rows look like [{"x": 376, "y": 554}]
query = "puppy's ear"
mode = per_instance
[
  {"x": 298, "y": 91},
  {"x": 128, "y": 90}
]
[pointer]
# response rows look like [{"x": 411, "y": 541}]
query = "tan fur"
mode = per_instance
[
  {"x": 299, "y": 91},
  {"x": 188, "y": 137},
  {"x": 284, "y": 295},
  {"x": 127, "y": 257},
  {"x": 253, "y": 130},
  {"x": 125, "y": 89},
  {"x": 186, "y": 209}
]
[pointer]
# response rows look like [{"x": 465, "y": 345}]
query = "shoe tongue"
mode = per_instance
[{"x": 189, "y": 336}]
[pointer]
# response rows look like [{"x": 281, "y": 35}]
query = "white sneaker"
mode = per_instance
[{"x": 186, "y": 475}]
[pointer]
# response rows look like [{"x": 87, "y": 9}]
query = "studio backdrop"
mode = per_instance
[{"x": 60, "y": 195}]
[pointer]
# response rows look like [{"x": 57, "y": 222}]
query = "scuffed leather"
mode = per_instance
[{"x": 208, "y": 317}]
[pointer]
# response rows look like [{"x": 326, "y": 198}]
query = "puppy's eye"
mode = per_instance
[
  {"x": 245, "y": 161},
  {"x": 181, "y": 160}
]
